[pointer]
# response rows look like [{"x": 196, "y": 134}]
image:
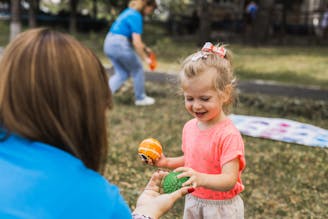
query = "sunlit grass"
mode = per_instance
[
  {"x": 286, "y": 64},
  {"x": 292, "y": 65},
  {"x": 297, "y": 65}
]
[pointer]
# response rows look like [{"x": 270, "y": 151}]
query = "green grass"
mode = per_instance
[
  {"x": 291, "y": 65},
  {"x": 296, "y": 65},
  {"x": 282, "y": 180}
]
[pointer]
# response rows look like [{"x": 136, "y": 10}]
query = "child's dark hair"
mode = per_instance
[
  {"x": 201, "y": 61},
  {"x": 151, "y": 3}
]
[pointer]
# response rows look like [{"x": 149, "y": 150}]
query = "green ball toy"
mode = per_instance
[{"x": 171, "y": 183}]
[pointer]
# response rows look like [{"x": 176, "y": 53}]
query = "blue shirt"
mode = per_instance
[
  {"x": 128, "y": 22},
  {"x": 38, "y": 181}
]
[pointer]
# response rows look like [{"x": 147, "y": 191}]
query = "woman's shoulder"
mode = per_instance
[
  {"x": 57, "y": 177},
  {"x": 99, "y": 197}
]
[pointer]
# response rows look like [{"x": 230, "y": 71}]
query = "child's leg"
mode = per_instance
[{"x": 196, "y": 208}]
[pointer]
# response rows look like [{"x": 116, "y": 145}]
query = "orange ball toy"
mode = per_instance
[{"x": 150, "y": 150}]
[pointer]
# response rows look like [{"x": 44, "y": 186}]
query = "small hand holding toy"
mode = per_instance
[
  {"x": 153, "y": 61},
  {"x": 152, "y": 57},
  {"x": 150, "y": 150},
  {"x": 171, "y": 183}
]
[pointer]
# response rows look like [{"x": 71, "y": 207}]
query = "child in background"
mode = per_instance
[
  {"x": 212, "y": 146},
  {"x": 126, "y": 49}
]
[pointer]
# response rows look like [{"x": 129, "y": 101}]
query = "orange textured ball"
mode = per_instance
[{"x": 150, "y": 150}]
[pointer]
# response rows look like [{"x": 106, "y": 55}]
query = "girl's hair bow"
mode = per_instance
[{"x": 210, "y": 48}]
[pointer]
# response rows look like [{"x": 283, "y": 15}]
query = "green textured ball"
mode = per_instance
[{"x": 171, "y": 183}]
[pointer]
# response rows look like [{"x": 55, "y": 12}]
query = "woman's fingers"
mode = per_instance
[{"x": 181, "y": 192}]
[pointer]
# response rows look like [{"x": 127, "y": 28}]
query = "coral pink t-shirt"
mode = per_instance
[{"x": 206, "y": 151}]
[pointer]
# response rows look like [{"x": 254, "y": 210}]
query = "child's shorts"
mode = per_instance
[{"x": 197, "y": 208}]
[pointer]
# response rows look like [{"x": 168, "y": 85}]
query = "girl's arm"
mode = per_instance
[
  {"x": 140, "y": 47},
  {"x": 220, "y": 182},
  {"x": 170, "y": 162}
]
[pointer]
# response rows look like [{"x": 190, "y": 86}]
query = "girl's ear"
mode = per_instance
[{"x": 227, "y": 93}]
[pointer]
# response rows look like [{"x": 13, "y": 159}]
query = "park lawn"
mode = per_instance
[
  {"x": 301, "y": 66},
  {"x": 282, "y": 180},
  {"x": 297, "y": 65}
]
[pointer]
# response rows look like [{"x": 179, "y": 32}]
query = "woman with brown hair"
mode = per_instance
[{"x": 54, "y": 99}]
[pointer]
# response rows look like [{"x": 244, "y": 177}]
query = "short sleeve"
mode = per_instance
[
  {"x": 136, "y": 24},
  {"x": 233, "y": 147}
]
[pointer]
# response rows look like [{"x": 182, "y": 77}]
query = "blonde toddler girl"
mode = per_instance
[{"x": 213, "y": 149}]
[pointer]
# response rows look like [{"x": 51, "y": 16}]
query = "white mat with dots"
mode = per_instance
[{"x": 281, "y": 130}]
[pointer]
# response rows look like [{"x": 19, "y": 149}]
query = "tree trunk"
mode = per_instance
[
  {"x": 15, "y": 23},
  {"x": 32, "y": 13},
  {"x": 204, "y": 22},
  {"x": 94, "y": 9},
  {"x": 263, "y": 23},
  {"x": 73, "y": 17},
  {"x": 283, "y": 28}
]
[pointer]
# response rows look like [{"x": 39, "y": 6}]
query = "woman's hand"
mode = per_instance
[{"x": 154, "y": 204}]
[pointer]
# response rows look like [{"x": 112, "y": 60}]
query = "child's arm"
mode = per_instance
[
  {"x": 220, "y": 182},
  {"x": 170, "y": 162}
]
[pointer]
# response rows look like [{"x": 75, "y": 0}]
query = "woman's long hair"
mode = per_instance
[{"x": 55, "y": 90}]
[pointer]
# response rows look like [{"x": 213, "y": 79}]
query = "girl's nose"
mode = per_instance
[{"x": 197, "y": 105}]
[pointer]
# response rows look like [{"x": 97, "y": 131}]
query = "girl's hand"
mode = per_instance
[
  {"x": 161, "y": 162},
  {"x": 147, "y": 60},
  {"x": 195, "y": 178},
  {"x": 148, "y": 50}
]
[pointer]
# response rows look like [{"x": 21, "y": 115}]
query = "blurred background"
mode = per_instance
[
  {"x": 276, "y": 42},
  {"x": 275, "y": 20}
]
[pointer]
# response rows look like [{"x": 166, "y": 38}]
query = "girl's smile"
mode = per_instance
[{"x": 202, "y": 100}]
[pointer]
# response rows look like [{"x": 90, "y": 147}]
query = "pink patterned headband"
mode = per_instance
[{"x": 209, "y": 48}]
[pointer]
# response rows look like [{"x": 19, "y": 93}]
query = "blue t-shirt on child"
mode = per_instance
[
  {"x": 128, "y": 22},
  {"x": 41, "y": 181}
]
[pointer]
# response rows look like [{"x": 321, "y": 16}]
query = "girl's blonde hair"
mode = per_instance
[
  {"x": 55, "y": 90},
  {"x": 224, "y": 80}
]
